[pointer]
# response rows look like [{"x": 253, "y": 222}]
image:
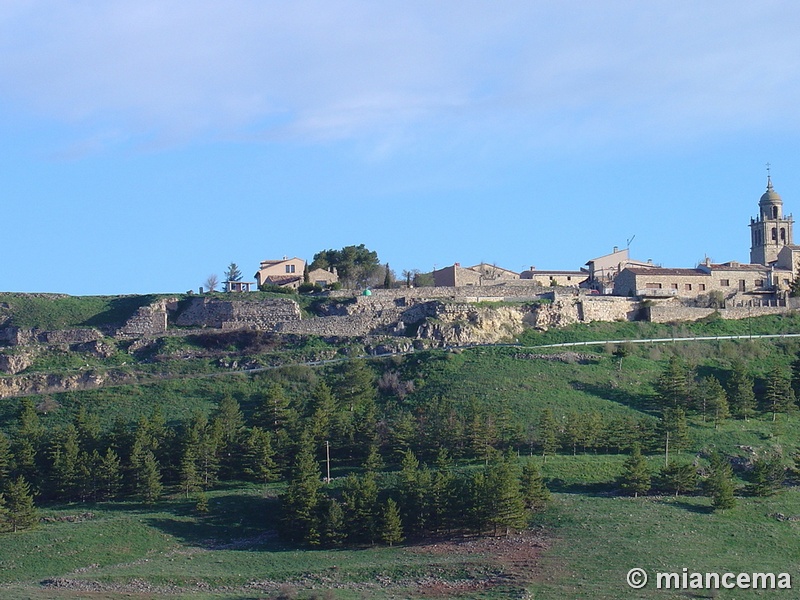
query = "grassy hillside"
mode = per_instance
[
  {"x": 49, "y": 312},
  {"x": 581, "y": 547}
]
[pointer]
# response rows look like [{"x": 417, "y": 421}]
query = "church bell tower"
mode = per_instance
[{"x": 770, "y": 230}]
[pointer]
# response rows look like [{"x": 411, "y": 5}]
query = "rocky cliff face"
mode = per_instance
[
  {"x": 463, "y": 324},
  {"x": 48, "y": 383}
]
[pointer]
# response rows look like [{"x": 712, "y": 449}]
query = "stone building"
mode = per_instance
[
  {"x": 323, "y": 278},
  {"x": 730, "y": 278},
  {"x": 770, "y": 231},
  {"x": 287, "y": 272},
  {"x": 555, "y": 278},
  {"x": 774, "y": 264},
  {"x": 480, "y": 274},
  {"x": 604, "y": 269}
]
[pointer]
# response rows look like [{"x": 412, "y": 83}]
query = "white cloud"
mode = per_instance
[{"x": 321, "y": 70}]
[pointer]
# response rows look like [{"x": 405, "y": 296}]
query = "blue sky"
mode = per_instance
[{"x": 148, "y": 144}]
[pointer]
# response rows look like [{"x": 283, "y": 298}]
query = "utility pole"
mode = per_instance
[{"x": 328, "y": 460}]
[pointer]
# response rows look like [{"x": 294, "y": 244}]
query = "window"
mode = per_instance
[
  {"x": 674, "y": 286},
  {"x": 783, "y": 234},
  {"x": 775, "y": 234},
  {"x": 759, "y": 283},
  {"x": 290, "y": 268},
  {"x": 702, "y": 287},
  {"x": 687, "y": 287},
  {"x": 724, "y": 283},
  {"x": 652, "y": 286},
  {"x": 742, "y": 285},
  {"x": 774, "y": 212}
]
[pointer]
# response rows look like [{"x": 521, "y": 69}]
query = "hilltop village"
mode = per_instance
[
  {"x": 766, "y": 279},
  {"x": 460, "y": 306}
]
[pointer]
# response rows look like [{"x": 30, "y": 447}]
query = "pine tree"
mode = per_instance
[
  {"x": 333, "y": 528},
  {"x": 535, "y": 494},
  {"x": 547, "y": 434},
  {"x": 740, "y": 392},
  {"x": 778, "y": 396},
  {"x": 87, "y": 425},
  {"x": 259, "y": 463},
  {"x": 233, "y": 273},
  {"x": 201, "y": 506},
  {"x": 356, "y": 392},
  {"x": 322, "y": 413},
  {"x": 21, "y": 511},
  {"x": 391, "y": 526},
  {"x": 373, "y": 463},
  {"x": 3, "y": 511},
  {"x": 227, "y": 426},
  {"x": 796, "y": 374},
  {"x": 6, "y": 459},
  {"x": 635, "y": 477},
  {"x": 387, "y": 278},
  {"x": 442, "y": 492},
  {"x": 109, "y": 475},
  {"x": 272, "y": 413},
  {"x": 87, "y": 480},
  {"x": 574, "y": 431},
  {"x": 674, "y": 424},
  {"x": 201, "y": 444},
  {"x": 413, "y": 488},
  {"x": 403, "y": 430},
  {"x": 26, "y": 442},
  {"x": 302, "y": 498},
  {"x": 506, "y": 508},
  {"x": 189, "y": 477},
  {"x": 767, "y": 475},
  {"x": 679, "y": 478},
  {"x": 148, "y": 479},
  {"x": 673, "y": 385},
  {"x": 64, "y": 456},
  {"x": 711, "y": 398},
  {"x": 360, "y": 497},
  {"x": 719, "y": 484}
]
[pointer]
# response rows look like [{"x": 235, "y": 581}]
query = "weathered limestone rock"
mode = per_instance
[
  {"x": 15, "y": 363},
  {"x": 44, "y": 383},
  {"x": 97, "y": 348},
  {"x": 460, "y": 324}
]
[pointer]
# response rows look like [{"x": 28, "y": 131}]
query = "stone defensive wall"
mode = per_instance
[
  {"x": 668, "y": 312},
  {"x": 510, "y": 290},
  {"x": 148, "y": 320},
  {"x": 236, "y": 314},
  {"x": 20, "y": 336}
]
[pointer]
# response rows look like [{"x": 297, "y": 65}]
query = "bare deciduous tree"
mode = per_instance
[{"x": 211, "y": 282}]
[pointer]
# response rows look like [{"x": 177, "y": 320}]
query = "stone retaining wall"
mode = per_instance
[
  {"x": 147, "y": 321},
  {"x": 231, "y": 314},
  {"x": 670, "y": 313},
  {"x": 20, "y": 336}
]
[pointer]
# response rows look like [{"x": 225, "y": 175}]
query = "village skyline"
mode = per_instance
[{"x": 147, "y": 147}]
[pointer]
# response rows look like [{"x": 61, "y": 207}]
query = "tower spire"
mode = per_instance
[{"x": 769, "y": 178}]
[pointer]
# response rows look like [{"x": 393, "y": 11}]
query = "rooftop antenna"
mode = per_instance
[{"x": 630, "y": 239}]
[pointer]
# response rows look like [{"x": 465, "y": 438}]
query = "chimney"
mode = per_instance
[
  {"x": 649, "y": 261},
  {"x": 457, "y": 265},
  {"x": 533, "y": 268},
  {"x": 616, "y": 249}
]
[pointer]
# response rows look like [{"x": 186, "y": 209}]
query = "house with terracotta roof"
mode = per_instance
[{"x": 287, "y": 272}]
